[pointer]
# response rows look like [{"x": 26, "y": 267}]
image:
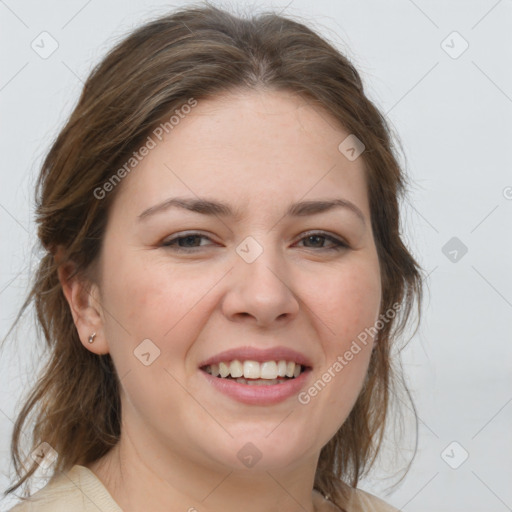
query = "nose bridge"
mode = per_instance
[
  {"x": 260, "y": 263},
  {"x": 260, "y": 286}
]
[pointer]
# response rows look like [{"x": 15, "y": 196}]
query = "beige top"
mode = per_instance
[{"x": 80, "y": 490}]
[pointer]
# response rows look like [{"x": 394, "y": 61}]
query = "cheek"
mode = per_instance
[
  {"x": 350, "y": 306},
  {"x": 146, "y": 298},
  {"x": 149, "y": 302},
  {"x": 348, "y": 301}
]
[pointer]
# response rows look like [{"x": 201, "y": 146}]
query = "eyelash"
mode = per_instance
[{"x": 171, "y": 243}]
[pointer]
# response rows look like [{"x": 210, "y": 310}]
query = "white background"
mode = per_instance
[{"x": 453, "y": 116}]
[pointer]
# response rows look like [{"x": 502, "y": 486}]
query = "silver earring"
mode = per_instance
[{"x": 91, "y": 337}]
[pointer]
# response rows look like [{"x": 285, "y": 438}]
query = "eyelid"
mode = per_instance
[
  {"x": 339, "y": 242},
  {"x": 185, "y": 234},
  {"x": 325, "y": 234}
]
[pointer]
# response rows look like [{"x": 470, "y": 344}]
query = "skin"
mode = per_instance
[{"x": 259, "y": 151}]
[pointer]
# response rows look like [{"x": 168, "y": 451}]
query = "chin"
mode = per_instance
[{"x": 259, "y": 453}]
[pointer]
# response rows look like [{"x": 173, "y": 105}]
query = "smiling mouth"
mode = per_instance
[{"x": 254, "y": 373}]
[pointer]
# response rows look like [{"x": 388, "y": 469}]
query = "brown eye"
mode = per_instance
[
  {"x": 184, "y": 243},
  {"x": 317, "y": 240}
]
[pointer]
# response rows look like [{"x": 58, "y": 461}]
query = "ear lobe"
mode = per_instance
[{"x": 83, "y": 300}]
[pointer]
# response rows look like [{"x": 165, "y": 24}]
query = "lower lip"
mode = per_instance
[{"x": 258, "y": 394}]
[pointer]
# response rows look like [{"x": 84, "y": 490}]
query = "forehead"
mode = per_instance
[{"x": 249, "y": 147}]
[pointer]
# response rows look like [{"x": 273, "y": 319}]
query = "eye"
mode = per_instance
[
  {"x": 316, "y": 237},
  {"x": 188, "y": 242}
]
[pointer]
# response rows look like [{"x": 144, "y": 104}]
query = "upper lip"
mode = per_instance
[{"x": 259, "y": 355}]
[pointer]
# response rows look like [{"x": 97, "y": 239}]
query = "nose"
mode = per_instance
[{"x": 261, "y": 292}]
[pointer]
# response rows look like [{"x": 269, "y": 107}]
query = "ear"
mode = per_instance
[{"x": 83, "y": 297}]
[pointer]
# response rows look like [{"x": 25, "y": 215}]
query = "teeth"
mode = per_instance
[
  {"x": 269, "y": 370},
  {"x": 260, "y": 382},
  {"x": 236, "y": 369},
  {"x": 251, "y": 370},
  {"x": 223, "y": 370}
]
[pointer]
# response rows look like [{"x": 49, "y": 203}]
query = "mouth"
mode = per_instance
[
  {"x": 256, "y": 373},
  {"x": 255, "y": 376}
]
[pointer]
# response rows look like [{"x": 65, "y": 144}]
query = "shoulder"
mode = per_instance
[
  {"x": 371, "y": 503},
  {"x": 77, "y": 490},
  {"x": 362, "y": 501}
]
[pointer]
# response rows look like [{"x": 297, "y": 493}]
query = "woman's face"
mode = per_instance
[{"x": 179, "y": 287}]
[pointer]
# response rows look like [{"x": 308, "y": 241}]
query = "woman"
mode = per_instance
[{"x": 224, "y": 277}]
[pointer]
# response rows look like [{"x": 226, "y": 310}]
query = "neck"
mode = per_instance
[{"x": 145, "y": 480}]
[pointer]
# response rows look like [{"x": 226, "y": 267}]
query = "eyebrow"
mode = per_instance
[{"x": 217, "y": 208}]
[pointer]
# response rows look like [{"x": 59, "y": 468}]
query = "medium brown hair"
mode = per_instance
[{"x": 200, "y": 52}]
